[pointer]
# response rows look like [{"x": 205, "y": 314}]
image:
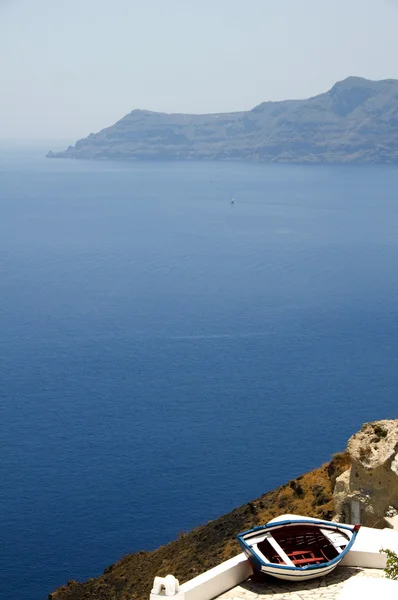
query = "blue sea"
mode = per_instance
[{"x": 167, "y": 355}]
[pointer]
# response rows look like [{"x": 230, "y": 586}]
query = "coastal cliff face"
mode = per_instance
[
  {"x": 207, "y": 546},
  {"x": 358, "y": 485},
  {"x": 355, "y": 121},
  {"x": 368, "y": 491}
]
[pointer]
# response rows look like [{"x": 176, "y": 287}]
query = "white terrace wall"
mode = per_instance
[{"x": 365, "y": 553}]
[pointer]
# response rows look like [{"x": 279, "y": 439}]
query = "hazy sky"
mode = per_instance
[{"x": 69, "y": 67}]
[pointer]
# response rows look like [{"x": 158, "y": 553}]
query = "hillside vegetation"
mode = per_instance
[
  {"x": 205, "y": 547},
  {"x": 355, "y": 121}
]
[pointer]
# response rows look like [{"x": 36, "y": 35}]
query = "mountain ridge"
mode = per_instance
[{"x": 355, "y": 121}]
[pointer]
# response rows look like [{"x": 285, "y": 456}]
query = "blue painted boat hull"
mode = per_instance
[{"x": 297, "y": 549}]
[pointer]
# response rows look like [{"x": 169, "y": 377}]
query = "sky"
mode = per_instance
[{"x": 71, "y": 67}]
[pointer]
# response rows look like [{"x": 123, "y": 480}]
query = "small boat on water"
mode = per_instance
[{"x": 297, "y": 548}]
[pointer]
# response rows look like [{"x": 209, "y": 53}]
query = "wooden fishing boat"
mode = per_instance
[{"x": 297, "y": 548}]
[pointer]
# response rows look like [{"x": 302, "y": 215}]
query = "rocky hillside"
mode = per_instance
[
  {"x": 355, "y": 121},
  {"x": 205, "y": 547}
]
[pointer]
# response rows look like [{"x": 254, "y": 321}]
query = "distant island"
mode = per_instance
[{"x": 356, "y": 121}]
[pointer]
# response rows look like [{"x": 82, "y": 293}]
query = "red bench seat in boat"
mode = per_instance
[{"x": 300, "y": 557}]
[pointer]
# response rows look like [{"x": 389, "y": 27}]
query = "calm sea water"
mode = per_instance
[{"x": 167, "y": 356}]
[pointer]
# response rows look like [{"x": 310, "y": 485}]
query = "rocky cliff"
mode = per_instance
[
  {"x": 355, "y": 121},
  {"x": 368, "y": 491},
  {"x": 205, "y": 547},
  {"x": 358, "y": 485}
]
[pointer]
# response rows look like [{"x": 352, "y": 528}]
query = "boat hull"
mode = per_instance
[
  {"x": 297, "y": 549},
  {"x": 298, "y": 575}
]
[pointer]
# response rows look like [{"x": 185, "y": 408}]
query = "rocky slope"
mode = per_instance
[
  {"x": 205, "y": 547},
  {"x": 366, "y": 474},
  {"x": 355, "y": 121}
]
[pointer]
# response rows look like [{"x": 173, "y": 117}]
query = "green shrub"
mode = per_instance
[
  {"x": 297, "y": 488},
  {"x": 391, "y": 569},
  {"x": 252, "y": 508},
  {"x": 283, "y": 501},
  {"x": 320, "y": 496}
]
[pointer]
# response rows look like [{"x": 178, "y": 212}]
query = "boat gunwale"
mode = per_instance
[{"x": 326, "y": 524}]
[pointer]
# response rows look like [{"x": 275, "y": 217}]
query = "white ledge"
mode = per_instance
[
  {"x": 365, "y": 553},
  {"x": 214, "y": 582}
]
